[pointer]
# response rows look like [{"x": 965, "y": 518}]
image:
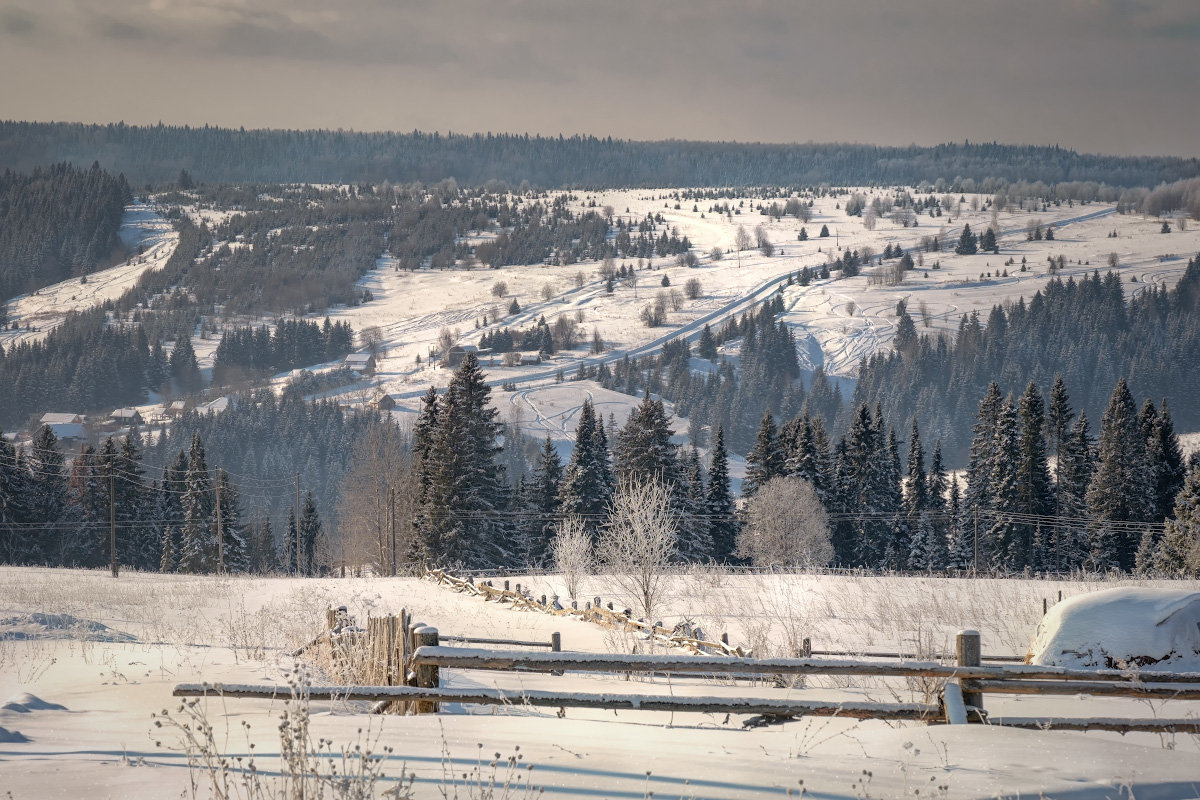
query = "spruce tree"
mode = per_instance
[
  {"x": 543, "y": 503},
  {"x": 1178, "y": 552},
  {"x": 967, "y": 243},
  {"x": 310, "y": 534},
  {"x": 234, "y": 550},
  {"x": 961, "y": 532},
  {"x": 1123, "y": 488},
  {"x": 1069, "y": 546},
  {"x": 707, "y": 346},
  {"x": 722, "y": 522},
  {"x": 184, "y": 370},
  {"x": 1003, "y": 546},
  {"x": 198, "y": 545},
  {"x": 47, "y": 493},
  {"x": 586, "y": 486},
  {"x": 468, "y": 490},
  {"x": 1035, "y": 496},
  {"x": 765, "y": 459},
  {"x": 1170, "y": 471},
  {"x": 644, "y": 450}
]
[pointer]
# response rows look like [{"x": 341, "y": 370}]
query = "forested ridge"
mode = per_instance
[
  {"x": 155, "y": 154},
  {"x": 57, "y": 222}
]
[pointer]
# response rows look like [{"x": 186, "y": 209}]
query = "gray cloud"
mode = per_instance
[{"x": 1081, "y": 73}]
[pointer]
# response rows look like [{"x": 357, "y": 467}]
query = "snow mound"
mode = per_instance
[
  {"x": 12, "y": 737},
  {"x": 59, "y": 626},
  {"x": 1115, "y": 628},
  {"x": 24, "y": 703}
]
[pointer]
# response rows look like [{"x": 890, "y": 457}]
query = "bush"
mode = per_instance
[{"x": 692, "y": 288}]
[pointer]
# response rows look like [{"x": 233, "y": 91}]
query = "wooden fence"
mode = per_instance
[{"x": 960, "y": 700}]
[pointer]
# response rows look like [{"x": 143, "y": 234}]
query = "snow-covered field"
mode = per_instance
[
  {"x": 183, "y": 628},
  {"x": 45, "y": 309}
]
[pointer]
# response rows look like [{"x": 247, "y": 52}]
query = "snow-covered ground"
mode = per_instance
[
  {"x": 102, "y": 742},
  {"x": 45, "y": 309}
]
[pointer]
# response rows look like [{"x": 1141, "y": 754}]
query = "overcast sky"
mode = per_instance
[{"x": 1117, "y": 76}]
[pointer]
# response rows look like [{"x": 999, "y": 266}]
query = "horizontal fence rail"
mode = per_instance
[
  {"x": 628, "y": 702},
  {"x": 470, "y": 658}
]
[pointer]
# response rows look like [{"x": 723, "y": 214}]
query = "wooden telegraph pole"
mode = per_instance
[
  {"x": 112, "y": 521},
  {"x": 220, "y": 528}
]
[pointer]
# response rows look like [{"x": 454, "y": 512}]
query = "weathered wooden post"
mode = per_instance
[
  {"x": 725, "y": 639},
  {"x": 970, "y": 654},
  {"x": 427, "y": 676},
  {"x": 556, "y": 642},
  {"x": 506, "y": 586},
  {"x": 1045, "y": 606},
  {"x": 806, "y": 647}
]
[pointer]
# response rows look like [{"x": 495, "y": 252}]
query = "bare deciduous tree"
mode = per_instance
[
  {"x": 499, "y": 289},
  {"x": 640, "y": 540},
  {"x": 692, "y": 288},
  {"x": 741, "y": 239},
  {"x": 547, "y": 292},
  {"x": 786, "y": 525},
  {"x": 716, "y": 254},
  {"x": 377, "y": 504},
  {"x": 572, "y": 552},
  {"x": 372, "y": 340}
]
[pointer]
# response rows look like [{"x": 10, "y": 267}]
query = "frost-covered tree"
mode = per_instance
[
  {"x": 571, "y": 552},
  {"x": 640, "y": 540},
  {"x": 786, "y": 525}
]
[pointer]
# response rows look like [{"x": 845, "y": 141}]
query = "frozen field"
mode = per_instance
[{"x": 162, "y": 630}]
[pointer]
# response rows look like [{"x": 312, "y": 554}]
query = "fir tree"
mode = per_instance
[
  {"x": 1123, "y": 488},
  {"x": 1170, "y": 470},
  {"x": 586, "y": 489},
  {"x": 765, "y": 460},
  {"x": 1069, "y": 546},
  {"x": 543, "y": 503},
  {"x": 47, "y": 493},
  {"x": 1035, "y": 496},
  {"x": 198, "y": 546},
  {"x": 1003, "y": 546},
  {"x": 961, "y": 538},
  {"x": 722, "y": 522},
  {"x": 1178, "y": 552},
  {"x": 644, "y": 450},
  {"x": 234, "y": 550},
  {"x": 184, "y": 369},
  {"x": 310, "y": 534},
  {"x": 967, "y": 243},
  {"x": 462, "y": 524},
  {"x": 707, "y": 346}
]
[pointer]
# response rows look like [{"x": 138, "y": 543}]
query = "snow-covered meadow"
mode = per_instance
[{"x": 161, "y": 630}]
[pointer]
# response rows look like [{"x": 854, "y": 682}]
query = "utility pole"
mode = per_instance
[
  {"x": 392, "y": 515},
  {"x": 220, "y": 529},
  {"x": 112, "y": 521},
  {"x": 296, "y": 515}
]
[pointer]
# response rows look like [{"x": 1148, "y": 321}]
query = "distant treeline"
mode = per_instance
[
  {"x": 56, "y": 223},
  {"x": 156, "y": 154}
]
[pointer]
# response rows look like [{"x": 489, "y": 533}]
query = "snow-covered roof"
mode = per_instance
[
  {"x": 358, "y": 358},
  {"x": 1142, "y": 627},
  {"x": 216, "y": 406},
  {"x": 125, "y": 413},
  {"x": 53, "y": 418}
]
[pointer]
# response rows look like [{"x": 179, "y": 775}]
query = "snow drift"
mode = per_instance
[{"x": 1114, "y": 628}]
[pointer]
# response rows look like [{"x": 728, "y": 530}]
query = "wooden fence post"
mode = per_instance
[
  {"x": 970, "y": 654},
  {"x": 427, "y": 676},
  {"x": 556, "y": 642},
  {"x": 806, "y": 647}
]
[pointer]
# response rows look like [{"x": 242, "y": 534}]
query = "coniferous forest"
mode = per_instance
[
  {"x": 155, "y": 154},
  {"x": 56, "y": 223}
]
